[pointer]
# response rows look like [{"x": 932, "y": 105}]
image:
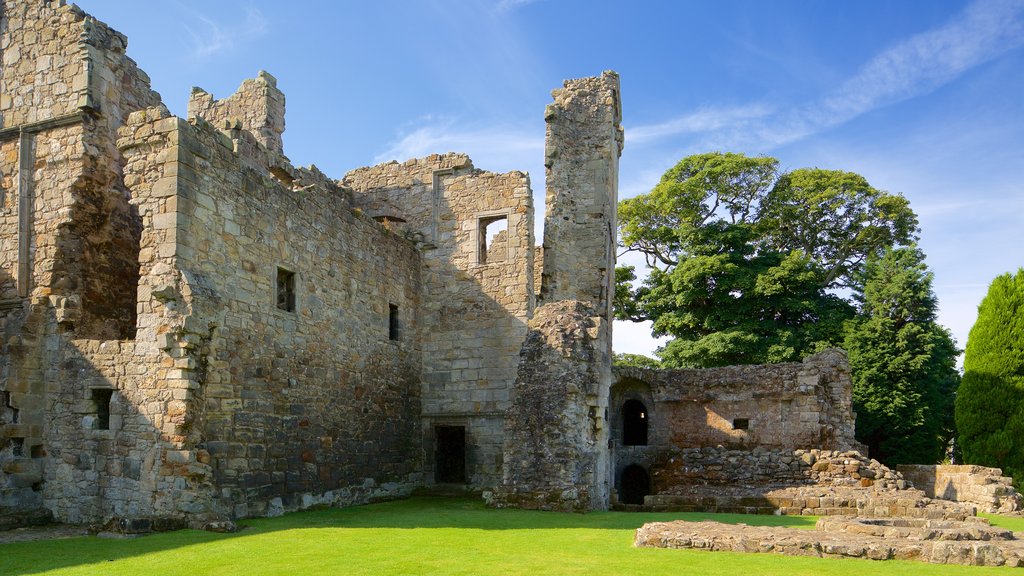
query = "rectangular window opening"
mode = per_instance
[
  {"x": 492, "y": 235},
  {"x": 101, "y": 400},
  {"x": 285, "y": 290},
  {"x": 394, "y": 328},
  {"x": 741, "y": 424},
  {"x": 18, "y": 447}
]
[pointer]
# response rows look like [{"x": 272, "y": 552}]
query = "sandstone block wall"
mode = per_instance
[
  {"x": 257, "y": 106},
  {"x": 793, "y": 405},
  {"x": 319, "y": 402},
  {"x": 556, "y": 433},
  {"x": 678, "y": 470},
  {"x": 475, "y": 298},
  {"x": 582, "y": 148},
  {"x": 804, "y": 405},
  {"x": 553, "y": 439},
  {"x": 68, "y": 264},
  {"x": 984, "y": 487}
]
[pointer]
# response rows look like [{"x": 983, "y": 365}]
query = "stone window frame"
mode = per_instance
[
  {"x": 476, "y": 242},
  {"x": 294, "y": 303}
]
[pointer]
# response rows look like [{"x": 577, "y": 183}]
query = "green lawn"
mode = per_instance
[{"x": 431, "y": 536}]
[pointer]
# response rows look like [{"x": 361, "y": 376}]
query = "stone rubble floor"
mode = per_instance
[
  {"x": 972, "y": 543},
  {"x": 47, "y": 532}
]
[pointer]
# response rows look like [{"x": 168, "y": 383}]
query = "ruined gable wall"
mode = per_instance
[
  {"x": 68, "y": 85},
  {"x": 793, "y": 405},
  {"x": 290, "y": 408},
  {"x": 68, "y": 264},
  {"x": 473, "y": 313}
]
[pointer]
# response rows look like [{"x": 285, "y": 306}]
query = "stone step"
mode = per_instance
[{"x": 865, "y": 505}]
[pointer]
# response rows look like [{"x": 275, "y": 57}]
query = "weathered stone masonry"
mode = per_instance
[{"x": 195, "y": 328}]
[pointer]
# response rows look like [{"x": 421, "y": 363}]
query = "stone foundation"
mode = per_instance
[{"x": 972, "y": 543}]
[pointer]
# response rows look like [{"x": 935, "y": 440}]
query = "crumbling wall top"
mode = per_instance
[{"x": 258, "y": 106}]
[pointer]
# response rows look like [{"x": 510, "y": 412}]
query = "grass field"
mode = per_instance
[{"x": 432, "y": 536}]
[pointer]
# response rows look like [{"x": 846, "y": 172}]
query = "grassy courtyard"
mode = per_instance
[{"x": 431, "y": 536}]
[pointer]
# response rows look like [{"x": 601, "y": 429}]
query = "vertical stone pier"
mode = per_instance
[{"x": 556, "y": 454}]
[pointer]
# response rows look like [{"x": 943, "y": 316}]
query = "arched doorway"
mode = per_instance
[
  {"x": 634, "y": 423},
  {"x": 634, "y": 484}
]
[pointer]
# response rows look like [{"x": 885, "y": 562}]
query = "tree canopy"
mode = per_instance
[
  {"x": 745, "y": 259},
  {"x": 903, "y": 362},
  {"x": 990, "y": 402}
]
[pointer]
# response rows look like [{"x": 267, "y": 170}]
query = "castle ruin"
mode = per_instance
[{"x": 195, "y": 329}]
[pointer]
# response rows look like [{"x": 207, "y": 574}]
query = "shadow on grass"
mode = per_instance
[{"x": 22, "y": 558}]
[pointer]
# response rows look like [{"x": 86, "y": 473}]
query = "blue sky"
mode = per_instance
[{"x": 923, "y": 98}]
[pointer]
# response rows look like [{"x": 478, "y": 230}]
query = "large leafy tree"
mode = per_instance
[
  {"x": 903, "y": 362},
  {"x": 990, "y": 402},
  {"x": 744, "y": 260}
]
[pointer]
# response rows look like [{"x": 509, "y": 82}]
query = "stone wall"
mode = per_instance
[
  {"x": 556, "y": 433},
  {"x": 553, "y": 438},
  {"x": 257, "y": 106},
  {"x": 475, "y": 299},
  {"x": 68, "y": 264},
  {"x": 984, "y": 487},
  {"x": 305, "y": 392},
  {"x": 794, "y": 405},
  {"x": 582, "y": 148},
  {"x": 682, "y": 468}
]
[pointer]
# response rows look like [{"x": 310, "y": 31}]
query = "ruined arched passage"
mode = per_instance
[
  {"x": 634, "y": 423},
  {"x": 634, "y": 484}
]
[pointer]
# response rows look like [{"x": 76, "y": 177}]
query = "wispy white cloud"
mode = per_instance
[
  {"x": 703, "y": 120},
  {"x": 918, "y": 65},
  {"x": 497, "y": 146},
  {"x": 210, "y": 37}
]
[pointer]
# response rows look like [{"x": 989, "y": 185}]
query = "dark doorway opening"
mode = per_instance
[
  {"x": 450, "y": 455},
  {"x": 634, "y": 485},
  {"x": 634, "y": 423}
]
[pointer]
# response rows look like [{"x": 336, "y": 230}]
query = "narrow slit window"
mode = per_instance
[
  {"x": 492, "y": 235},
  {"x": 741, "y": 424},
  {"x": 286, "y": 290},
  {"x": 12, "y": 414},
  {"x": 394, "y": 327}
]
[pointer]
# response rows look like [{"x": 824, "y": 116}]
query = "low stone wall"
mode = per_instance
[
  {"x": 790, "y": 482},
  {"x": 810, "y": 501},
  {"x": 686, "y": 467},
  {"x": 984, "y": 487},
  {"x": 972, "y": 543}
]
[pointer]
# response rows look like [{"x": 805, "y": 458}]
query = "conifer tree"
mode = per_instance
[
  {"x": 903, "y": 362},
  {"x": 990, "y": 403}
]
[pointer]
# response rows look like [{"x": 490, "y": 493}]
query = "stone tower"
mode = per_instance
[
  {"x": 582, "y": 148},
  {"x": 556, "y": 433}
]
